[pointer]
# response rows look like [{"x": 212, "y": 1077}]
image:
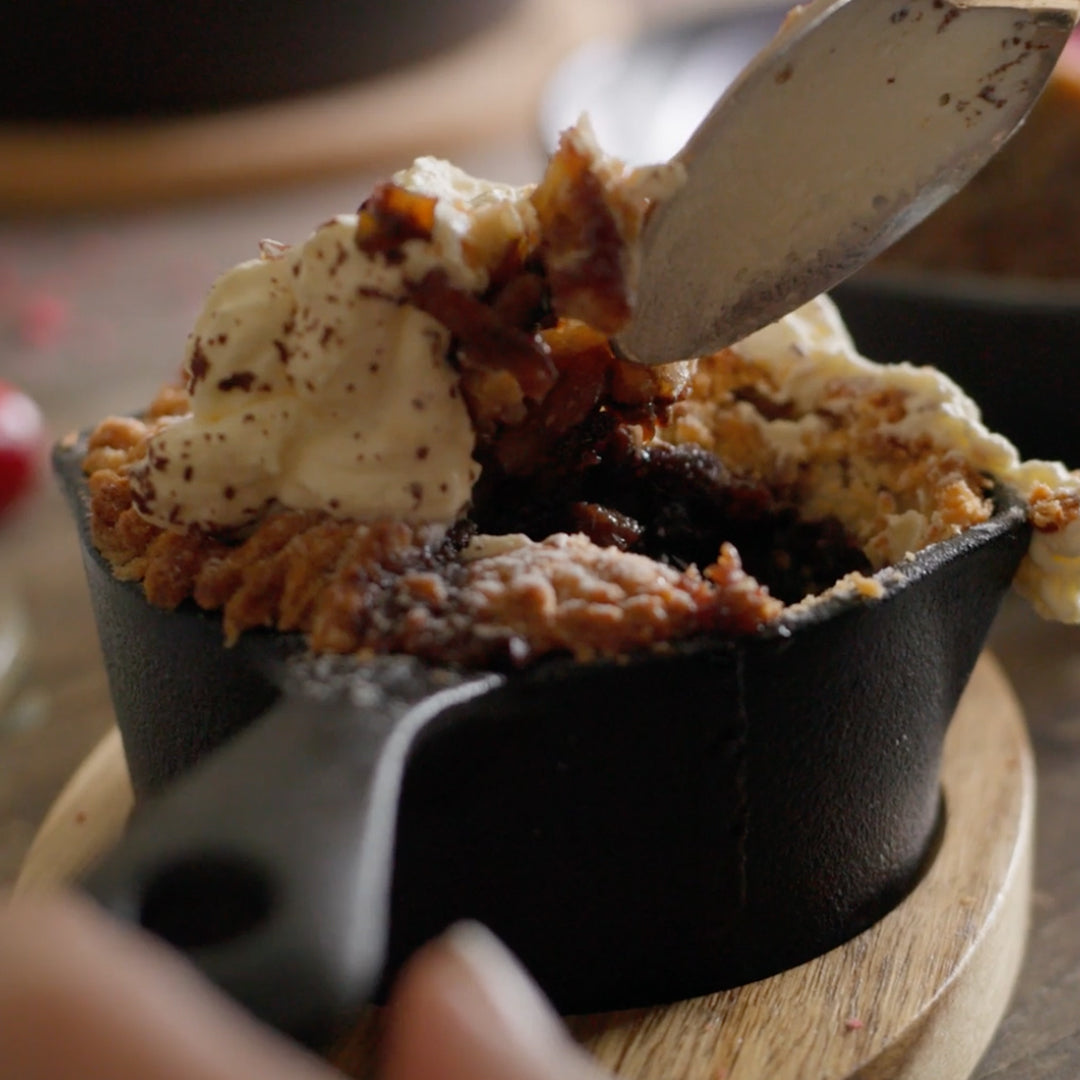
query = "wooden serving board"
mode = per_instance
[
  {"x": 916, "y": 997},
  {"x": 486, "y": 87}
]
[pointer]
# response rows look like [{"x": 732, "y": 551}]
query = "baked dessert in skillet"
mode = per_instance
[
  {"x": 411, "y": 434},
  {"x": 681, "y": 644}
]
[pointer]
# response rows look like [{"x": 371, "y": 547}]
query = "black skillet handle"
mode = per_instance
[{"x": 269, "y": 864}]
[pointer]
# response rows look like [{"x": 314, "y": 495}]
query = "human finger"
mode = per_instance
[
  {"x": 82, "y": 997},
  {"x": 464, "y": 1009}
]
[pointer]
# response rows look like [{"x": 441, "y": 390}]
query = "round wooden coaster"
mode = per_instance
[
  {"x": 916, "y": 997},
  {"x": 486, "y": 87}
]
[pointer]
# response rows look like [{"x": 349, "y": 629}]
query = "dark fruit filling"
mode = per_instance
[{"x": 677, "y": 504}]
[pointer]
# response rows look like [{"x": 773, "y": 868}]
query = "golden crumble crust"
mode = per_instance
[
  {"x": 1052, "y": 511},
  {"x": 388, "y": 586},
  {"x": 553, "y": 408},
  {"x": 848, "y": 463}
]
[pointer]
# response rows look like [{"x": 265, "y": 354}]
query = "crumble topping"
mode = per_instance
[
  {"x": 391, "y": 586},
  {"x": 797, "y": 404},
  {"x": 597, "y": 507}
]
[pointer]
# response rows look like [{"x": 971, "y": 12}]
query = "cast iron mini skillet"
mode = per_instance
[{"x": 636, "y": 831}]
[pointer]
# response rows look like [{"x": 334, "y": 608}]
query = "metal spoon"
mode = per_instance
[{"x": 857, "y": 120}]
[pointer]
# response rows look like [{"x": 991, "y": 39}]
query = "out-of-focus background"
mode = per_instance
[{"x": 136, "y": 167}]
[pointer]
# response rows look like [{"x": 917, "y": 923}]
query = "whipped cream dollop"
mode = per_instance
[
  {"x": 810, "y": 350},
  {"x": 315, "y": 385}
]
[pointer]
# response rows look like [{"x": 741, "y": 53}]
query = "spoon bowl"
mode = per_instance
[{"x": 855, "y": 122}]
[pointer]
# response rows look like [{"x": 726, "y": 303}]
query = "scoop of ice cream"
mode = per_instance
[
  {"x": 320, "y": 376},
  {"x": 315, "y": 384}
]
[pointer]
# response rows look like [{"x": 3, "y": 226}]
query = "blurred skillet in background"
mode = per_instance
[
  {"x": 987, "y": 289},
  {"x": 95, "y": 59}
]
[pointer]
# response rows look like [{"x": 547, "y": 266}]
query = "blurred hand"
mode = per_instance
[{"x": 83, "y": 999}]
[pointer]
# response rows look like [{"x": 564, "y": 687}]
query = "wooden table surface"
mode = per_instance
[{"x": 94, "y": 310}]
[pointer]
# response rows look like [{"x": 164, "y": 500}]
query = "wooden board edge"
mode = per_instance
[{"x": 87, "y": 818}]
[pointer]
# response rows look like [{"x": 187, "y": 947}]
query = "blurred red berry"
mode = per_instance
[{"x": 22, "y": 438}]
